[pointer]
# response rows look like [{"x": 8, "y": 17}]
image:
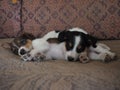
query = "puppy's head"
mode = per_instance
[
  {"x": 76, "y": 42},
  {"x": 22, "y": 44},
  {"x": 73, "y": 43}
]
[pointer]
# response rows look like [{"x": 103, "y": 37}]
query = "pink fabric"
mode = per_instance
[
  {"x": 101, "y": 18},
  {"x": 9, "y": 18}
]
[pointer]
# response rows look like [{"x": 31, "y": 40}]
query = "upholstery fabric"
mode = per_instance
[
  {"x": 9, "y": 18},
  {"x": 100, "y": 18},
  {"x": 16, "y": 74}
]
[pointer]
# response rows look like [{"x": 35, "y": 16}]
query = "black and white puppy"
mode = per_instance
[
  {"x": 88, "y": 47},
  {"x": 71, "y": 45}
]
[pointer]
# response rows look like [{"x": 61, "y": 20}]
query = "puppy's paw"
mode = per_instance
[
  {"x": 107, "y": 58},
  {"x": 113, "y": 56},
  {"x": 26, "y": 57},
  {"x": 39, "y": 57},
  {"x": 84, "y": 58}
]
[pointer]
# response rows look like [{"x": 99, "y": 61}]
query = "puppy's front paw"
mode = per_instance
[
  {"x": 39, "y": 57},
  {"x": 26, "y": 57},
  {"x": 84, "y": 58}
]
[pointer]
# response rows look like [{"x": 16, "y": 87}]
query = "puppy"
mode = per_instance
[{"x": 71, "y": 45}]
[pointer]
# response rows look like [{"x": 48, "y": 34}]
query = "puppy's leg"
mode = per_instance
[
  {"x": 39, "y": 57},
  {"x": 99, "y": 50},
  {"x": 83, "y": 57},
  {"x": 26, "y": 57},
  {"x": 99, "y": 56},
  {"x": 29, "y": 56},
  {"x": 111, "y": 54},
  {"x": 103, "y": 46}
]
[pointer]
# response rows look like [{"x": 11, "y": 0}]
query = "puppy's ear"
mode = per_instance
[
  {"x": 63, "y": 36},
  {"x": 92, "y": 40},
  {"x": 14, "y": 50},
  {"x": 27, "y": 36}
]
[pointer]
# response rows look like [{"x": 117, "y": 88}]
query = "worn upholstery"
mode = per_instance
[
  {"x": 9, "y": 18},
  {"x": 16, "y": 74},
  {"x": 100, "y": 18}
]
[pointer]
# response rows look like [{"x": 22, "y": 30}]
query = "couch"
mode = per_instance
[{"x": 100, "y": 18}]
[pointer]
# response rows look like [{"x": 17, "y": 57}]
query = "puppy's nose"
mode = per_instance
[
  {"x": 70, "y": 58},
  {"x": 22, "y": 52}
]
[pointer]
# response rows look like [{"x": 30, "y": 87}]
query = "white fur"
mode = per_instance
[
  {"x": 41, "y": 45},
  {"x": 78, "y": 29},
  {"x": 56, "y": 51}
]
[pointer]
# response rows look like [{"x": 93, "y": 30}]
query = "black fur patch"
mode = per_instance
[
  {"x": 69, "y": 38},
  {"x": 53, "y": 40},
  {"x": 27, "y": 36},
  {"x": 57, "y": 31}
]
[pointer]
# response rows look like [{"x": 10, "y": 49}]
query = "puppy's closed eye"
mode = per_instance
[
  {"x": 80, "y": 48},
  {"x": 23, "y": 41}
]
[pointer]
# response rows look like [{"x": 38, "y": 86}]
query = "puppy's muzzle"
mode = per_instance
[
  {"x": 22, "y": 52},
  {"x": 70, "y": 58}
]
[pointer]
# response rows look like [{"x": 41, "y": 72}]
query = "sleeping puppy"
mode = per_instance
[{"x": 68, "y": 45}]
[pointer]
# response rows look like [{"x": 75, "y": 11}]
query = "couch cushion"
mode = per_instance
[
  {"x": 99, "y": 17},
  {"x": 16, "y": 74},
  {"x": 9, "y": 18}
]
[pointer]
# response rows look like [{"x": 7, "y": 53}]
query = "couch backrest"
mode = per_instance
[{"x": 100, "y": 18}]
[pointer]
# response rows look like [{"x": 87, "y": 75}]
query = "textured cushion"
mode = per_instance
[
  {"x": 100, "y": 18},
  {"x": 58, "y": 74},
  {"x": 9, "y": 18}
]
